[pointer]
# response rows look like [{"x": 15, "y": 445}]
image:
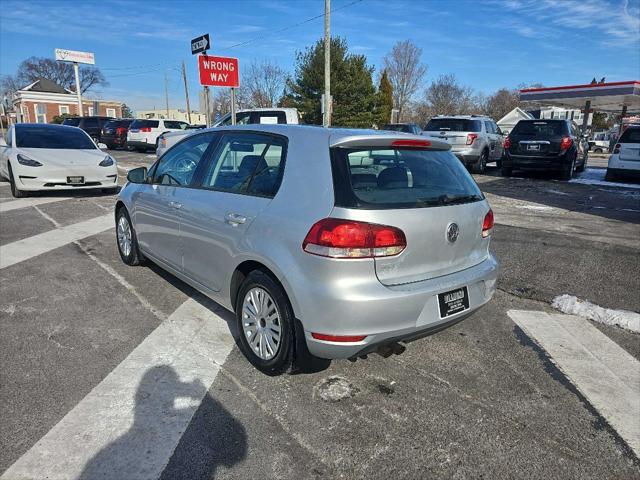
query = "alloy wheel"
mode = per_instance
[
  {"x": 261, "y": 323},
  {"x": 124, "y": 236}
]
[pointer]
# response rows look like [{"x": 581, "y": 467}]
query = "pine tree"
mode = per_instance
[
  {"x": 352, "y": 89},
  {"x": 385, "y": 99}
]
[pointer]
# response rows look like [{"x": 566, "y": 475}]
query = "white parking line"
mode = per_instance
[
  {"x": 30, "y": 247},
  {"x": 603, "y": 372},
  {"x": 128, "y": 426},
  {"x": 28, "y": 202}
]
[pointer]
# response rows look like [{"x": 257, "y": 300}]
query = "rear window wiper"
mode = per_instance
[{"x": 452, "y": 199}]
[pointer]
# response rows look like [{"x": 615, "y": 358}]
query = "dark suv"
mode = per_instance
[
  {"x": 403, "y": 127},
  {"x": 114, "y": 133},
  {"x": 92, "y": 125},
  {"x": 545, "y": 145}
]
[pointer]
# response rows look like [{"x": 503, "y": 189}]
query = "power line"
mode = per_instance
[{"x": 241, "y": 44}]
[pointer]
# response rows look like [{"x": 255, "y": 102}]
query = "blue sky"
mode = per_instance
[{"x": 487, "y": 44}]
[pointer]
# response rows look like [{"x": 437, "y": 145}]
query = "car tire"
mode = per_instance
[
  {"x": 15, "y": 191},
  {"x": 260, "y": 287},
  {"x": 506, "y": 171},
  {"x": 567, "y": 173},
  {"x": 131, "y": 255},
  {"x": 499, "y": 163},
  {"x": 583, "y": 165},
  {"x": 597, "y": 150},
  {"x": 481, "y": 165},
  {"x": 610, "y": 176}
]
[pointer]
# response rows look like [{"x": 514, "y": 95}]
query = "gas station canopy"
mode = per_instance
[{"x": 601, "y": 97}]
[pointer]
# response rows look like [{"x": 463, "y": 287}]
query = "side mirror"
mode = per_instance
[
  {"x": 137, "y": 175},
  {"x": 3, "y": 142}
]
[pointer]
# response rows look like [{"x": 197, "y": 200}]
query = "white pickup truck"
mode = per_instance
[{"x": 243, "y": 117}]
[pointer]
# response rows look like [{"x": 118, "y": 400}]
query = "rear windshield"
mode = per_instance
[
  {"x": 74, "y": 122},
  {"x": 400, "y": 178},
  {"x": 176, "y": 125},
  {"x": 453, "y": 125},
  {"x": 51, "y": 137},
  {"x": 539, "y": 129},
  {"x": 630, "y": 135},
  {"x": 117, "y": 123},
  {"x": 144, "y": 124}
]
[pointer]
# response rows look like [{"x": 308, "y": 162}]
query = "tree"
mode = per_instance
[
  {"x": 500, "y": 103},
  {"x": 126, "y": 111},
  {"x": 61, "y": 73},
  {"x": 445, "y": 96},
  {"x": 601, "y": 121},
  {"x": 354, "y": 96},
  {"x": 385, "y": 99},
  {"x": 405, "y": 73},
  {"x": 264, "y": 83},
  {"x": 60, "y": 118}
]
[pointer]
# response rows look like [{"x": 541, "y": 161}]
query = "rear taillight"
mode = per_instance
[
  {"x": 487, "y": 225},
  {"x": 616, "y": 149},
  {"x": 339, "y": 238},
  {"x": 145, "y": 129},
  {"x": 566, "y": 143},
  {"x": 121, "y": 131},
  {"x": 471, "y": 137},
  {"x": 507, "y": 143}
]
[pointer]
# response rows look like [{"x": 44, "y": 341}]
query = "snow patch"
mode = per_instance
[
  {"x": 535, "y": 207},
  {"x": 595, "y": 176},
  {"x": 572, "y": 305},
  {"x": 556, "y": 192}
]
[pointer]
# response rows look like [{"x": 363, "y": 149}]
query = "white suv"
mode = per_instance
[
  {"x": 625, "y": 159},
  {"x": 143, "y": 134},
  {"x": 474, "y": 139}
]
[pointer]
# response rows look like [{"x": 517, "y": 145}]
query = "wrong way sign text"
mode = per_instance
[{"x": 218, "y": 71}]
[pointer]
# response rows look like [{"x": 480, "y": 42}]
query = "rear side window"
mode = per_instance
[
  {"x": 400, "y": 178},
  {"x": 144, "y": 124},
  {"x": 175, "y": 125},
  {"x": 454, "y": 125},
  {"x": 248, "y": 163},
  {"x": 630, "y": 135},
  {"x": 269, "y": 117},
  {"x": 540, "y": 129}
]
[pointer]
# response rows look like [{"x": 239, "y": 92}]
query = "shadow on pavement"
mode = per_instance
[{"x": 163, "y": 406}]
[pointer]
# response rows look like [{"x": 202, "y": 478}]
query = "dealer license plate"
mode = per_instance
[{"x": 454, "y": 301}]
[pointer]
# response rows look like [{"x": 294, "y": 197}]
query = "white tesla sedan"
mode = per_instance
[{"x": 54, "y": 157}]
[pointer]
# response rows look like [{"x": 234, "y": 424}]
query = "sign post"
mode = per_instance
[
  {"x": 220, "y": 72},
  {"x": 76, "y": 57}
]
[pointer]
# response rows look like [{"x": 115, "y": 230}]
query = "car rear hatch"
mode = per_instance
[
  {"x": 140, "y": 130},
  {"x": 452, "y": 130},
  {"x": 536, "y": 138},
  {"x": 423, "y": 191},
  {"x": 630, "y": 145}
]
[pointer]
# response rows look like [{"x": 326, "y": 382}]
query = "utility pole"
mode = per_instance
[
  {"x": 326, "y": 120},
  {"x": 76, "y": 71},
  {"x": 166, "y": 92},
  {"x": 186, "y": 91}
]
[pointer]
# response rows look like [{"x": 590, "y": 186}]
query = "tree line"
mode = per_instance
[{"x": 358, "y": 100}]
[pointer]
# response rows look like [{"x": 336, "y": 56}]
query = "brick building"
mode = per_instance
[{"x": 44, "y": 99}]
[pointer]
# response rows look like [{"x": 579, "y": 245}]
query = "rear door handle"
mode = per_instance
[
  {"x": 176, "y": 205},
  {"x": 235, "y": 219}
]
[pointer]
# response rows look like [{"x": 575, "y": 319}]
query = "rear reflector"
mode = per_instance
[
  {"x": 411, "y": 143},
  {"x": 340, "y": 238},
  {"x": 338, "y": 338},
  {"x": 487, "y": 225}
]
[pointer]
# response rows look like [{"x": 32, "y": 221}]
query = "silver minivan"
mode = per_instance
[{"x": 331, "y": 243}]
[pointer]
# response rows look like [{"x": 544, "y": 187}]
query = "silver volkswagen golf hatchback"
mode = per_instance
[{"x": 329, "y": 243}]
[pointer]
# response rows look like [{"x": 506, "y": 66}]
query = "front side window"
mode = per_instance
[
  {"x": 10, "y": 137},
  {"x": 52, "y": 137},
  {"x": 250, "y": 163},
  {"x": 178, "y": 166},
  {"x": 400, "y": 178}
]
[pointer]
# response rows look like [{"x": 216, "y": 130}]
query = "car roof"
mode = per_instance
[
  {"x": 48, "y": 126},
  {"x": 334, "y": 136},
  {"x": 463, "y": 117}
]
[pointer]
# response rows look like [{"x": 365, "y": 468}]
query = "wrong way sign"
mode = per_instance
[{"x": 218, "y": 71}]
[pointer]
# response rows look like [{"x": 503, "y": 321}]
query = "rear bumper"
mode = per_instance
[
  {"x": 401, "y": 313},
  {"x": 551, "y": 162},
  {"x": 113, "y": 140},
  {"x": 140, "y": 144},
  {"x": 467, "y": 155}
]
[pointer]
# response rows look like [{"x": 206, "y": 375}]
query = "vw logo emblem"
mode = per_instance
[{"x": 452, "y": 232}]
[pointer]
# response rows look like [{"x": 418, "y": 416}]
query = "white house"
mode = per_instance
[{"x": 509, "y": 121}]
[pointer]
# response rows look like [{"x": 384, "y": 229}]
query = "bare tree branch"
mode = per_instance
[
  {"x": 264, "y": 83},
  {"x": 405, "y": 72}
]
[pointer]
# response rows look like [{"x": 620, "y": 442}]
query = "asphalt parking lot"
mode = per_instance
[{"x": 93, "y": 359}]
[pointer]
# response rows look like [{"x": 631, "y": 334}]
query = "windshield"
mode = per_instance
[
  {"x": 52, "y": 137},
  {"x": 398, "y": 127},
  {"x": 539, "y": 129},
  {"x": 144, "y": 124},
  {"x": 74, "y": 122},
  {"x": 400, "y": 178},
  {"x": 453, "y": 125}
]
